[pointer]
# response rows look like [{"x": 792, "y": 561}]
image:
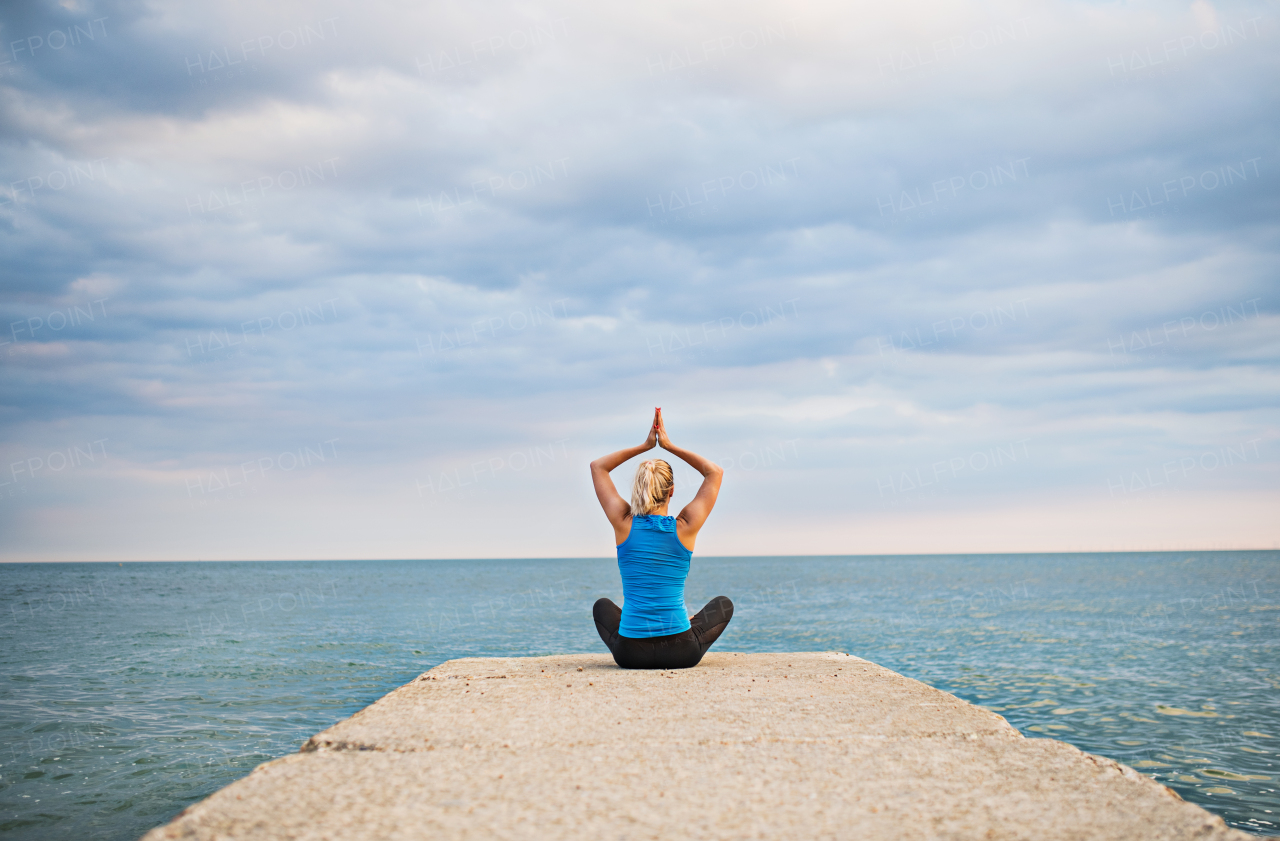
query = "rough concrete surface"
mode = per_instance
[{"x": 806, "y": 746}]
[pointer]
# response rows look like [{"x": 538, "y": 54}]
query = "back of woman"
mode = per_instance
[
  {"x": 654, "y": 565},
  {"x": 655, "y": 550}
]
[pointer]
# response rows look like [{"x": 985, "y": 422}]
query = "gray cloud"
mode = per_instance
[{"x": 838, "y": 247}]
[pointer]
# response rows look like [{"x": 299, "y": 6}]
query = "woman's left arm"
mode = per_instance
[{"x": 615, "y": 507}]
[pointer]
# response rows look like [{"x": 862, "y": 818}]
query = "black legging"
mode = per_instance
[{"x": 673, "y": 651}]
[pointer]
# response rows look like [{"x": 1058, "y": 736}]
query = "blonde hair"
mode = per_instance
[{"x": 651, "y": 487}]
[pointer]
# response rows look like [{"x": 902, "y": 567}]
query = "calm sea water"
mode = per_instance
[{"x": 131, "y": 691}]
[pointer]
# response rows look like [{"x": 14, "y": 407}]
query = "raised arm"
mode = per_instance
[
  {"x": 615, "y": 507},
  {"x": 693, "y": 515}
]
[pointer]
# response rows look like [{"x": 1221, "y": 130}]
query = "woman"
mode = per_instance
[{"x": 650, "y": 630}]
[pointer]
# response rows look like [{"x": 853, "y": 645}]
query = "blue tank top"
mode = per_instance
[{"x": 654, "y": 564}]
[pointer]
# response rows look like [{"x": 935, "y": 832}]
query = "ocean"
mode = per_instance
[{"x": 133, "y": 690}]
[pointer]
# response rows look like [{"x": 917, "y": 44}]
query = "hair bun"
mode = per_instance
[{"x": 652, "y": 486}]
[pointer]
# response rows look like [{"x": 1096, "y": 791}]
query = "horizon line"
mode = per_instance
[{"x": 119, "y": 561}]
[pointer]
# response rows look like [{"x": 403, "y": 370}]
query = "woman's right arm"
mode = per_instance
[{"x": 693, "y": 515}]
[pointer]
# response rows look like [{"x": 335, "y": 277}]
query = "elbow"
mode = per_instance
[{"x": 716, "y": 470}]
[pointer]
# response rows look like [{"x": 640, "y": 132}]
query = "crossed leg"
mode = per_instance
[
  {"x": 709, "y": 623},
  {"x": 673, "y": 651},
  {"x": 608, "y": 617}
]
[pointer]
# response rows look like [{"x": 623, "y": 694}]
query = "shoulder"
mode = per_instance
[{"x": 622, "y": 530}]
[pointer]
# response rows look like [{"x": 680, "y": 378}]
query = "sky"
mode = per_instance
[{"x": 378, "y": 280}]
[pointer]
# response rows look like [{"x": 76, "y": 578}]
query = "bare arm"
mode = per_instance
[
  {"x": 694, "y": 514},
  {"x": 615, "y": 507}
]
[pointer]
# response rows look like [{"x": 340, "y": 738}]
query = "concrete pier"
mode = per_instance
[{"x": 804, "y": 746}]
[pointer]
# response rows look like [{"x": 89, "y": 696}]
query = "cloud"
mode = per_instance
[{"x": 879, "y": 240}]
